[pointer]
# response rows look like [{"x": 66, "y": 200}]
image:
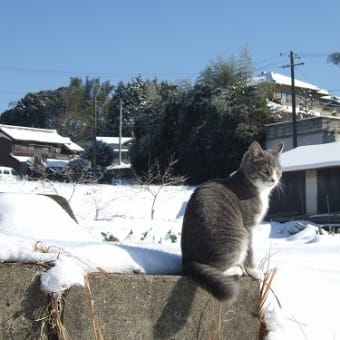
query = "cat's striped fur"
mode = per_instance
[{"x": 217, "y": 226}]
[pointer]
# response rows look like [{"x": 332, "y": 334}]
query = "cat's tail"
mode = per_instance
[{"x": 222, "y": 287}]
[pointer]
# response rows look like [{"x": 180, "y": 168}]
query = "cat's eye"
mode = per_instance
[{"x": 266, "y": 172}]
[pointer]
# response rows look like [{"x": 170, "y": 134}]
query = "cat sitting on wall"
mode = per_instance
[{"x": 217, "y": 226}]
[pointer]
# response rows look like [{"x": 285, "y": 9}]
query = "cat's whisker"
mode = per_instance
[{"x": 280, "y": 189}]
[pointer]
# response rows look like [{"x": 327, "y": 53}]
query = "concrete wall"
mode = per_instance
[
  {"x": 23, "y": 307},
  {"x": 316, "y": 130},
  {"x": 126, "y": 307}
]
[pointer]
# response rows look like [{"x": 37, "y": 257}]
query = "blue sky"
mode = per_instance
[{"x": 44, "y": 43}]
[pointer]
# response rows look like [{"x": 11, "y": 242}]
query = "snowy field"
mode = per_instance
[{"x": 35, "y": 228}]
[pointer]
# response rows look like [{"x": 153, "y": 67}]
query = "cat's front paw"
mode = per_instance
[
  {"x": 255, "y": 273},
  {"x": 234, "y": 271}
]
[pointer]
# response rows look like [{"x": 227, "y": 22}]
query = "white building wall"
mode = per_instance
[{"x": 311, "y": 180}]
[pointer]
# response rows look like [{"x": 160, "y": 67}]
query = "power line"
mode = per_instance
[
  {"x": 315, "y": 55},
  {"x": 13, "y": 92},
  {"x": 266, "y": 60},
  {"x": 271, "y": 66},
  {"x": 72, "y": 72}
]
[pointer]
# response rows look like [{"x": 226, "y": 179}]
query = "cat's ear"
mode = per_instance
[
  {"x": 278, "y": 149},
  {"x": 255, "y": 150}
]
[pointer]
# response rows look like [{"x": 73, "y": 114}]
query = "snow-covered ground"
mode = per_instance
[{"x": 35, "y": 228}]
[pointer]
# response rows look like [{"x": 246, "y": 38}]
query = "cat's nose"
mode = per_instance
[{"x": 272, "y": 179}]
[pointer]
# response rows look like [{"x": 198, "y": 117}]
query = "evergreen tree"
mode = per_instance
[
  {"x": 70, "y": 110},
  {"x": 104, "y": 153},
  {"x": 84, "y": 103},
  {"x": 207, "y": 126},
  {"x": 40, "y": 110},
  {"x": 334, "y": 58},
  {"x": 153, "y": 128},
  {"x": 132, "y": 96}
]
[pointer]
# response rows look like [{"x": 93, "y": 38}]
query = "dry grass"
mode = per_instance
[
  {"x": 265, "y": 291},
  {"x": 55, "y": 310},
  {"x": 96, "y": 330},
  {"x": 212, "y": 328}
]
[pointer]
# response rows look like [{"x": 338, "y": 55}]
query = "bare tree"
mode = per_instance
[
  {"x": 37, "y": 165},
  {"x": 156, "y": 178},
  {"x": 100, "y": 209},
  {"x": 78, "y": 171}
]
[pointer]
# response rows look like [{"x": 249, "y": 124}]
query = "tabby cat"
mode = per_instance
[{"x": 217, "y": 226}]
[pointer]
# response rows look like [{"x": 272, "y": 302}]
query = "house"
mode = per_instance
[
  {"x": 314, "y": 130},
  {"x": 19, "y": 144},
  {"x": 310, "y": 182},
  {"x": 125, "y": 143},
  {"x": 310, "y": 99}
]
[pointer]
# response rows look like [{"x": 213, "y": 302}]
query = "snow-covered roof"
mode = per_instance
[
  {"x": 56, "y": 163},
  {"x": 21, "y": 159},
  {"x": 282, "y": 79},
  {"x": 289, "y": 109},
  {"x": 119, "y": 166},
  {"x": 23, "y": 133},
  {"x": 71, "y": 145},
  {"x": 311, "y": 157},
  {"x": 289, "y": 122},
  {"x": 32, "y": 134},
  {"x": 334, "y": 99},
  {"x": 114, "y": 140},
  {"x": 50, "y": 162}
]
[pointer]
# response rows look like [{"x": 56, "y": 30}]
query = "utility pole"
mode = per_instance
[
  {"x": 292, "y": 76},
  {"x": 94, "y": 161},
  {"x": 98, "y": 111},
  {"x": 120, "y": 131}
]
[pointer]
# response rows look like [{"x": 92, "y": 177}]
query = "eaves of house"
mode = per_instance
[
  {"x": 283, "y": 80},
  {"x": 311, "y": 157},
  {"x": 28, "y": 134},
  {"x": 114, "y": 140}
]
